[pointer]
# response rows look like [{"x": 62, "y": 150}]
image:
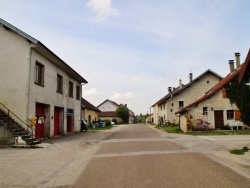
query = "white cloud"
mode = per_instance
[
  {"x": 126, "y": 98},
  {"x": 91, "y": 92},
  {"x": 102, "y": 9}
]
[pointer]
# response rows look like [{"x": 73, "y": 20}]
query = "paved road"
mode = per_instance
[
  {"x": 128, "y": 156},
  {"x": 138, "y": 156}
]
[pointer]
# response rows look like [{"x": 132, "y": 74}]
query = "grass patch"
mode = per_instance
[
  {"x": 219, "y": 132},
  {"x": 239, "y": 151},
  {"x": 170, "y": 129}
]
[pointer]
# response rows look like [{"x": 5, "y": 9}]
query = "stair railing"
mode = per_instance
[{"x": 11, "y": 114}]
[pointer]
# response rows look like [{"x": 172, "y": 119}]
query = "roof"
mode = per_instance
[
  {"x": 41, "y": 48},
  {"x": 181, "y": 89},
  {"x": 88, "y": 105},
  {"x": 107, "y": 114},
  {"x": 107, "y": 100},
  {"x": 237, "y": 72}
]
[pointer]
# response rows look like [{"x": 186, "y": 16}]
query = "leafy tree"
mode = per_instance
[
  {"x": 123, "y": 113},
  {"x": 239, "y": 93}
]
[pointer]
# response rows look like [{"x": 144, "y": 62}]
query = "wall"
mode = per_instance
[
  {"x": 108, "y": 106},
  {"x": 48, "y": 94},
  {"x": 189, "y": 95},
  {"x": 216, "y": 102},
  {"x": 86, "y": 113},
  {"x": 14, "y": 72}
]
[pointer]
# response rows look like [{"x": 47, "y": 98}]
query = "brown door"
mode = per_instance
[{"x": 218, "y": 118}]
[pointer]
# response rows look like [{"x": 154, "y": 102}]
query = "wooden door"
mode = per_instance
[{"x": 218, "y": 118}]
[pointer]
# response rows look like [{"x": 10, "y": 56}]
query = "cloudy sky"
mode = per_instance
[{"x": 131, "y": 51}]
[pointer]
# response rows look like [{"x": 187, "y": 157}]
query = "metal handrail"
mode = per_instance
[{"x": 28, "y": 127}]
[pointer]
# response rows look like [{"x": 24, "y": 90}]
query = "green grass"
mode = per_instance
[
  {"x": 170, "y": 129},
  {"x": 219, "y": 132},
  {"x": 176, "y": 129},
  {"x": 239, "y": 151}
]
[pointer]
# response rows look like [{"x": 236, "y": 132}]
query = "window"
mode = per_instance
[
  {"x": 59, "y": 84},
  {"x": 172, "y": 104},
  {"x": 207, "y": 81},
  {"x": 70, "y": 89},
  {"x": 78, "y": 92},
  {"x": 204, "y": 111},
  {"x": 230, "y": 114},
  {"x": 39, "y": 74},
  {"x": 181, "y": 104}
]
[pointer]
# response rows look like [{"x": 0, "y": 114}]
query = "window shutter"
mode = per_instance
[
  {"x": 224, "y": 93},
  {"x": 237, "y": 115}
]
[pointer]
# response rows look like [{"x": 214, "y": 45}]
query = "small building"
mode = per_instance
[
  {"x": 89, "y": 112},
  {"x": 177, "y": 98},
  {"x": 37, "y": 85},
  {"x": 214, "y": 110},
  {"x": 108, "y": 111}
]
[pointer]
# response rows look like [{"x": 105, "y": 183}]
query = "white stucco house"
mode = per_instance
[
  {"x": 177, "y": 98},
  {"x": 214, "y": 110},
  {"x": 37, "y": 85},
  {"x": 108, "y": 111}
]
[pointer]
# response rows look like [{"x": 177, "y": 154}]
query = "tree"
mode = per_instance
[
  {"x": 123, "y": 113},
  {"x": 239, "y": 93}
]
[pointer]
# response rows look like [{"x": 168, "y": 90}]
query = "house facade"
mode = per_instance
[
  {"x": 214, "y": 110},
  {"x": 177, "y": 98},
  {"x": 108, "y": 111},
  {"x": 89, "y": 112},
  {"x": 37, "y": 85}
]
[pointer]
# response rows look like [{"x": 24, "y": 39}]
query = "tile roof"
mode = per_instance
[
  {"x": 181, "y": 89},
  {"x": 88, "y": 105},
  {"x": 237, "y": 72},
  {"x": 107, "y": 114}
]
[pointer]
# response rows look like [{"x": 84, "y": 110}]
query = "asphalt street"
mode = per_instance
[{"x": 128, "y": 156}]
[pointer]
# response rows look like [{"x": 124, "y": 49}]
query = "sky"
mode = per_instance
[{"x": 131, "y": 51}]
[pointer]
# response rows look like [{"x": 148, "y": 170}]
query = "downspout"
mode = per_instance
[{"x": 28, "y": 84}]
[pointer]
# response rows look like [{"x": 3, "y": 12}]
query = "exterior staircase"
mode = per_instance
[{"x": 15, "y": 129}]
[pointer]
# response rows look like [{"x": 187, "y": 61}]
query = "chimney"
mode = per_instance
[
  {"x": 169, "y": 90},
  {"x": 190, "y": 77},
  {"x": 180, "y": 83},
  {"x": 237, "y": 57},
  {"x": 231, "y": 65}
]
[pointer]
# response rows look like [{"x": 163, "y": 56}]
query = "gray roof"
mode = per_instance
[{"x": 43, "y": 49}]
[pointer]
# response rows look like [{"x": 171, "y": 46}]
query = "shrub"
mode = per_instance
[{"x": 107, "y": 121}]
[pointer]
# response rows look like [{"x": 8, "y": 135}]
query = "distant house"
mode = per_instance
[
  {"x": 177, "y": 98},
  {"x": 89, "y": 112},
  {"x": 108, "y": 111},
  {"x": 214, "y": 110},
  {"x": 37, "y": 85}
]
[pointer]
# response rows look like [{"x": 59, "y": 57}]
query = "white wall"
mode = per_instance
[
  {"x": 48, "y": 94},
  {"x": 107, "y": 106},
  {"x": 14, "y": 72}
]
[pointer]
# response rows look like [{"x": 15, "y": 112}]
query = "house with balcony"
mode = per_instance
[
  {"x": 214, "y": 110},
  {"x": 37, "y": 85},
  {"x": 165, "y": 109}
]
